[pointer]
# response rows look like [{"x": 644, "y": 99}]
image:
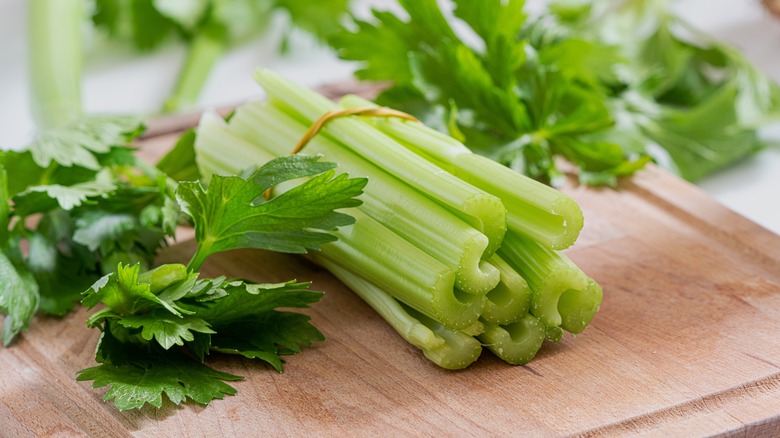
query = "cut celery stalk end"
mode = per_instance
[
  {"x": 516, "y": 343},
  {"x": 553, "y": 334},
  {"x": 554, "y": 281},
  {"x": 396, "y": 205},
  {"x": 535, "y": 210},
  {"x": 412, "y": 330},
  {"x": 564, "y": 281},
  {"x": 480, "y": 209},
  {"x": 577, "y": 308},
  {"x": 510, "y": 300},
  {"x": 220, "y": 151},
  {"x": 459, "y": 350},
  {"x": 475, "y": 329},
  {"x": 404, "y": 271}
]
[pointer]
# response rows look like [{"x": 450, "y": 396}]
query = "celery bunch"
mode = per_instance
[{"x": 454, "y": 250}]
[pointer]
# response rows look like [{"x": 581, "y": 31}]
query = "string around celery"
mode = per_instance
[{"x": 320, "y": 123}]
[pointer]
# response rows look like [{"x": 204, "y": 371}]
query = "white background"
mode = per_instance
[{"x": 116, "y": 80}]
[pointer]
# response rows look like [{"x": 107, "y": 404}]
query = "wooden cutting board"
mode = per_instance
[{"x": 686, "y": 343}]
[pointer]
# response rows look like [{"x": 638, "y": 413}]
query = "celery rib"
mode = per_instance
[
  {"x": 459, "y": 350},
  {"x": 562, "y": 295},
  {"x": 403, "y": 270},
  {"x": 411, "y": 215},
  {"x": 204, "y": 51},
  {"x": 55, "y": 41},
  {"x": 222, "y": 152},
  {"x": 535, "y": 210},
  {"x": 447, "y": 348},
  {"x": 516, "y": 343},
  {"x": 478, "y": 208},
  {"x": 386, "y": 306}
]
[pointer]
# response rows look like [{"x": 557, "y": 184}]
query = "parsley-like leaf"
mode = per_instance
[
  {"x": 61, "y": 279},
  {"x": 40, "y": 199},
  {"x": 18, "y": 289},
  {"x": 169, "y": 373},
  {"x": 167, "y": 329},
  {"x": 321, "y": 18},
  {"x": 123, "y": 293},
  {"x": 247, "y": 323},
  {"x": 569, "y": 83},
  {"x": 18, "y": 297},
  {"x": 243, "y": 300},
  {"x": 501, "y": 97},
  {"x": 77, "y": 143},
  {"x": 232, "y": 214},
  {"x": 267, "y": 337}
]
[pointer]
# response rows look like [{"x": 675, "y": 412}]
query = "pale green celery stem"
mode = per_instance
[
  {"x": 535, "y": 210},
  {"x": 220, "y": 151},
  {"x": 561, "y": 294},
  {"x": 511, "y": 299},
  {"x": 203, "y": 52},
  {"x": 459, "y": 350},
  {"x": 372, "y": 251},
  {"x": 412, "y": 330},
  {"x": 411, "y": 215},
  {"x": 516, "y": 343},
  {"x": 482, "y": 210},
  {"x": 55, "y": 57}
]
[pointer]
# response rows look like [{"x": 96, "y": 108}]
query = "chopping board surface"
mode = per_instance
[{"x": 686, "y": 342}]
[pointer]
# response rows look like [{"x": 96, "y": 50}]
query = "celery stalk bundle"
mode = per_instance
[{"x": 455, "y": 251}]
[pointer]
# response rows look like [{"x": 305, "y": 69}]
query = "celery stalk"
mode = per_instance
[
  {"x": 561, "y": 294},
  {"x": 404, "y": 271},
  {"x": 55, "y": 47},
  {"x": 459, "y": 351},
  {"x": 480, "y": 209},
  {"x": 516, "y": 343},
  {"x": 203, "y": 52},
  {"x": 445, "y": 347},
  {"x": 222, "y": 152},
  {"x": 533, "y": 209},
  {"x": 511, "y": 299},
  {"x": 577, "y": 308},
  {"x": 412, "y": 330},
  {"x": 411, "y": 215}
]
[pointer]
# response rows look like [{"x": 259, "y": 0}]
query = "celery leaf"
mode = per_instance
[
  {"x": 232, "y": 213},
  {"x": 132, "y": 385},
  {"x": 167, "y": 329},
  {"x": 77, "y": 143},
  {"x": 600, "y": 84},
  {"x": 18, "y": 297}
]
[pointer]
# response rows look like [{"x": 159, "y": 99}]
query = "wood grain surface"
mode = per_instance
[{"x": 686, "y": 344}]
